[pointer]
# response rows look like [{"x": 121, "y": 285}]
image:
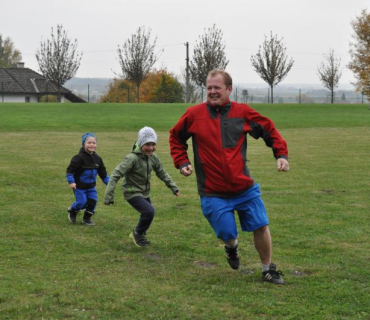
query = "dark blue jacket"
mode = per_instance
[{"x": 84, "y": 168}]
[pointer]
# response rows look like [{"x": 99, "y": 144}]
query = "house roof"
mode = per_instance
[
  {"x": 27, "y": 81},
  {"x": 73, "y": 98}
]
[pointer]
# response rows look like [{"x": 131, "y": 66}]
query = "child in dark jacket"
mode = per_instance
[
  {"x": 81, "y": 176},
  {"x": 136, "y": 170}
]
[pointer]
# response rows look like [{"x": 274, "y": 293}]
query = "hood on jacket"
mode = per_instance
[{"x": 136, "y": 148}]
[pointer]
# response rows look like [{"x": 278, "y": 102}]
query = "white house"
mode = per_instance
[{"x": 21, "y": 84}]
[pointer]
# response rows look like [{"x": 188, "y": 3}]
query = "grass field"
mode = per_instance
[{"x": 319, "y": 214}]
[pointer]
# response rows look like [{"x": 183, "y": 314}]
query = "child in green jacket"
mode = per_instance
[{"x": 136, "y": 170}]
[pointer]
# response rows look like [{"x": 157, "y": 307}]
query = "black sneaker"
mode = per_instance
[
  {"x": 140, "y": 240},
  {"x": 146, "y": 239},
  {"x": 232, "y": 256},
  {"x": 72, "y": 214},
  {"x": 272, "y": 275},
  {"x": 87, "y": 219}
]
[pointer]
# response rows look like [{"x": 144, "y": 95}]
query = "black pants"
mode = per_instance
[{"x": 147, "y": 211}]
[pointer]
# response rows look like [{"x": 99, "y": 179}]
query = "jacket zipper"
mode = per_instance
[
  {"x": 222, "y": 133},
  {"x": 147, "y": 173},
  {"x": 92, "y": 171}
]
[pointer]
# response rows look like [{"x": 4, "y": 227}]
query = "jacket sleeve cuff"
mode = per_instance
[
  {"x": 184, "y": 165},
  {"x": 106, "y": 180},
  {"x": 282, "y": 156},
  {"x": 70, "y": 178}
]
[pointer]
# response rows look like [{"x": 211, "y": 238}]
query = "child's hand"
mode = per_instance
[
  {"x": 177, "y": 194},
  {"x": 72, "y": 186}
]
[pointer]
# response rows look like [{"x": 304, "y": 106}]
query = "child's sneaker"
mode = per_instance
[
  {"x": 232, "y": 255},
  {"x": 72, "y": 214},
  {"x": 87, "y": 219},
  {"x": 140, "y": 240},
  {"x": 272, "y": 275}
]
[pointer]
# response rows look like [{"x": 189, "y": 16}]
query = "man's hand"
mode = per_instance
[
  {"x": 282, "y": 165},
  {"x": 72, "y": 186},
  {"x": 187, "y": 171}
]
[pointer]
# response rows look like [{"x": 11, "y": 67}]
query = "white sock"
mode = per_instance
[
  {"x": 232, "y": 244},
  {"x": 265, "y": 267}
]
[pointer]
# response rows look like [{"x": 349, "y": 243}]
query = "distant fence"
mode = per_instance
[
  {"x": 89, "y": 92},
  {"x": 93, "y": 92},
  {"x": 300, "y": 96}
]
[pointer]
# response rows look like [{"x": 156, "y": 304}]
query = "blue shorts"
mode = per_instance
[{"x": 220, "y": 213}]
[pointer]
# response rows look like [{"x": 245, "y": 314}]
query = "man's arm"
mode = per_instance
[
  {"x": 178, "y": 145},
  {"x": 263, "y": 127}
]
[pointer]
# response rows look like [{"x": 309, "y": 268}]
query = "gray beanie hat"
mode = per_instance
[{"x": 146, "y": 135}]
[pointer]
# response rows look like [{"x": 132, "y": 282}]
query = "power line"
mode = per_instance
[{"x": 170, "y": 45}]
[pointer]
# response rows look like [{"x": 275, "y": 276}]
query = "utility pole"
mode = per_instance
[
  {"x": 88, "y": 93},
  {"x": 187, "y": 93},
  {"x": 299, "y": 99},
  {"x": 47, "y": 91}
]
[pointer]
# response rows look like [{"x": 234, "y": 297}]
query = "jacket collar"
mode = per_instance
[
  {"x": 222, "y": 110},
  {"x": 82, "y": 150}
]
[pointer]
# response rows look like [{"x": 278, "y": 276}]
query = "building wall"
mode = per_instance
[
  {"x": 13, "y": 98},
  {"x": 21, "y": 98}
]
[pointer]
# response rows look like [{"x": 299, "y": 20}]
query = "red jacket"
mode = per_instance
[{"x": 220, "y": 145}]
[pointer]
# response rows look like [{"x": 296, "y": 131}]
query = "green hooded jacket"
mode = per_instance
[{"x": 136, "y": 170}]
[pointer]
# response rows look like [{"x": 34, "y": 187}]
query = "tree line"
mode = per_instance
[{"x": 59, "y": 61}]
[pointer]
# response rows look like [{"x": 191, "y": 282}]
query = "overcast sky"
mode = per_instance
[{"x": 310, "y": 28}]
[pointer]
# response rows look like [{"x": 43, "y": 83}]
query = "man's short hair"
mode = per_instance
[{"x": 227, "y": 78}]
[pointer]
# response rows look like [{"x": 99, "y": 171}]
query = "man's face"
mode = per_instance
[{"x": 217, "y": 92}]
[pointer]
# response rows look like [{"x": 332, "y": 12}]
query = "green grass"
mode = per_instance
[
  {"x": 319, "y": 214},
  {"x": 127, "y": 117}
]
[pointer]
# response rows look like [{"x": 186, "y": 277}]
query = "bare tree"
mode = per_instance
[
  {"x": 58, "y": 58},
  {"x": 9, "y": 56},
  {"x": 271, "y": 62},
  {"x": 137, "y": 57},
  {"x": 329, "y": 72},
  {"x": 209, "y": 53},
  {"x": 360, "y": 53}
]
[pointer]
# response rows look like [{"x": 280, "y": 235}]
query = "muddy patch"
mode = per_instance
[{"x": 205, "y": 264}]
